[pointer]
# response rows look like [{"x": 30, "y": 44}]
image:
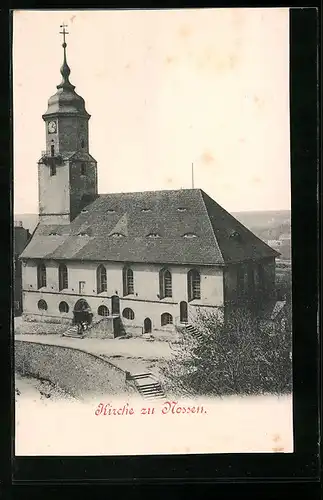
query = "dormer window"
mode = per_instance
[
  {"x": 189, "y": 235},
  {"x": 146, "y": 210},
  {"x": 153, "y": 235},
  {"x": 117, "y": 235},
  {"x": 181, "y": 209},
  {"x": 53, "y": 233},
  {"x": 83, "y": 233},
  {"x": 110, "y": 211},
  {"x": 84, "y": 211},
  {"x": 234, "y": 234}
]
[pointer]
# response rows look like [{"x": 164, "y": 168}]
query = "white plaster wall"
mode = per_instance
[
  {"x": 53, "y": 190},
  {"x": 144, "y": 302}
]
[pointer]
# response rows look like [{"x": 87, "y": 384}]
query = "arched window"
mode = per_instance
[
  {"x": 128, "y": 313},
  {"x": 63, "y": 307},
  {"x": 41, "y": 276},
  {"x": 82, "y": 143},
  {"x": 42, "y": 305},
  {"x": 166, "y": 319},
  {"x": 83, "y": 169},
  {"x": 103, "y": 311},
  {"x": 52, "y": 150},
  {"x": 101, "y": 279},
  {"x": 62, "y": 277},
  {"x": 53, "y": 170},
  {"x": 193, "y": 284},
  {"x": 165, "y": 284},
  {"x": 128, "y": 281}
]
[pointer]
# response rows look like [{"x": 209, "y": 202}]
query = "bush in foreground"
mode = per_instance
[{"x": 231, "y": 358}]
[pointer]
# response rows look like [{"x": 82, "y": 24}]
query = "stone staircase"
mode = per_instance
[
  {"x": 193, "y": 331},
  {"x": 148, "y": 386},
  {"x": 72, "y": 332}
]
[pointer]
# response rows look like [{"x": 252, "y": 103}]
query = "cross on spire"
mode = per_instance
[
  {"x": 65, "y": 70},
  {"x": 64, "y": 32}
]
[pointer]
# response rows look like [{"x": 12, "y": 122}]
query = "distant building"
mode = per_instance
[
  {"x": 20, "y": 239},
  {"x": 274, "y": 243}
]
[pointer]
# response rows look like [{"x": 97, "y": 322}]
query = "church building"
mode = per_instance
[{"x": 151, "y": 259}]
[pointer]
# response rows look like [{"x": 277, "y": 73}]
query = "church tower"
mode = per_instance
[{"x": 67, "y": 173}]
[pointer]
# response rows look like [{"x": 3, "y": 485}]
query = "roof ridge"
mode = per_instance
[
  {"x": 202, "y": 193},
  {"x": 150, "y": 191}
]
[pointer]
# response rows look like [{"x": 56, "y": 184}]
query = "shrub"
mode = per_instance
[{"x": 227, "y": 358}]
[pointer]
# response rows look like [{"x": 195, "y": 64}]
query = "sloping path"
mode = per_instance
[{"x": 133, "y": 355}]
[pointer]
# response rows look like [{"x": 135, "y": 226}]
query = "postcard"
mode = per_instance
[{"x": 152, "y": 235}]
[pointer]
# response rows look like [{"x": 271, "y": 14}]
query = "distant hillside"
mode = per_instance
[
  {"x": 264, "y": 220},
  {"x": 266, "y": 225}
]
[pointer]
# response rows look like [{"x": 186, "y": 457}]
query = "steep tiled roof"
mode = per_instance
[{"x": 172, "y": 227}]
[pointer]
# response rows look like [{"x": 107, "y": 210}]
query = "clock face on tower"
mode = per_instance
[{"x": 52, "y": 127}]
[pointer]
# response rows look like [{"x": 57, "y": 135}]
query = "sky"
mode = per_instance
[{"x": 165, "y": 89}]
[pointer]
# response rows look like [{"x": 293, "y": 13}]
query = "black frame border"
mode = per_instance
[{"x": 304, "y": 464}]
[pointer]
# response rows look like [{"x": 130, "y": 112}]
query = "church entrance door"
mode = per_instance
[
  {"x": 82, "y": 313},
  {"x": 147, "y": 325},
  {"x": 183, "y": 312}
]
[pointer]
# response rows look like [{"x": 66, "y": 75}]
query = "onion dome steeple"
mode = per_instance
[
  {"x": 66, "y": 100},
  {"x": 65, "y": 69}
]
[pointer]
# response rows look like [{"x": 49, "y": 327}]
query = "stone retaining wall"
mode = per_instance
[{"x": 79, "y": 373}]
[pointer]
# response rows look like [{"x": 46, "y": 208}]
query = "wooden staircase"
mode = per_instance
[{"x": 148, "y": 386}]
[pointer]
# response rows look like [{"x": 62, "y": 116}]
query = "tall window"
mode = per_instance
[
  {"x": 83, "y": 169},
  {"x": 41, "y": 275},
  {"x": 128, "y": 281},
  {"x": 165, "y": 283},
  {"x": 52, "y": 150},
  {"x": 166, "y": 319},
  {"x": 101, "y": 279},
  {"x": 53, "y": 169},
  {"x": 193, "y": 284},
  {"x": 62, "y": 277}
]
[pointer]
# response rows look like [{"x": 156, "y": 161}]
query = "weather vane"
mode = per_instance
[{"x": 64, "y": 32}]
